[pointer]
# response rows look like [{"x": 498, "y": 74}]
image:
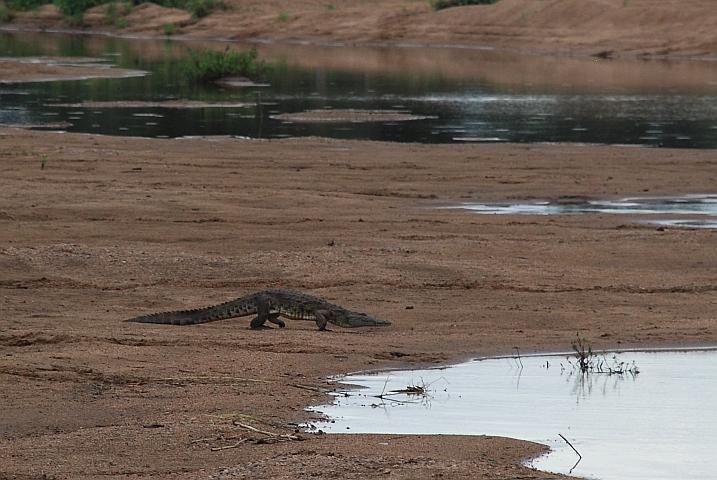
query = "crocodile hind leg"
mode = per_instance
[
  {"x": 262, "y": 313},
  {"x": 260, "y": 320},
  {"x": 274, "y": 318}
]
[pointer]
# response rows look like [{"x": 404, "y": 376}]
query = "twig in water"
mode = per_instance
[
  {"x": 519, "y": 361},
  {"x": 570, "y": 445},
  {"x": 384, "y": 388},
  {"x": 580, "y": 457}
]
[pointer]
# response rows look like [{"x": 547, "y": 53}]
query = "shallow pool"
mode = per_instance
[
  {"x": 691, "y": 211},
  {"x": 658, "y": 424}
]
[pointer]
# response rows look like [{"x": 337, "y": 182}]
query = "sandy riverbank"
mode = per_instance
[
  {"x": 611, "y": 28},
  {"x": 112, "y": 228},
  {"x": 94, "y": 230}
]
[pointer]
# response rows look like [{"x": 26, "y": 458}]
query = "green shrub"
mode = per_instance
[
  {"x": 169, "y": 29},
  {"x": 110, "y": 14},
  {"x": 24, "y": 5},
  {"x": 211, "y": 65},
  {"x": 441, "y": 4},
  {"x": 75, "y": 8},
  {"x": 6, "y": 15},
  {"x": 201, "y": 8}
]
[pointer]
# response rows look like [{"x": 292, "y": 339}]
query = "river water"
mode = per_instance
[
  {"x": 658, "y": 424},
  {"x": 462, "y": 95}
]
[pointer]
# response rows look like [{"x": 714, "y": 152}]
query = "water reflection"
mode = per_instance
[
  {"x": 688, "y": 205},
  {"x": 463, "y": 95},
  {"x": 657, "y": 425}
]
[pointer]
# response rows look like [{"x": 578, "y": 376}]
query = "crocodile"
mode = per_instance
[{"x": 269, "y": 305}]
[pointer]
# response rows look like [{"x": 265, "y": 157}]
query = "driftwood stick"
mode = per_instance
[
  {"x": 313, "y": 389},
  {"x": 270, "y": 434},
  {"x": 208, "y": 378},
  {"x": 216, "y": 449}
]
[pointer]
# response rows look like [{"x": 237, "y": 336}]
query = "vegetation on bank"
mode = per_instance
[
  {"x": 74, "y": 9},
  {"x": 441, "y": 4}
]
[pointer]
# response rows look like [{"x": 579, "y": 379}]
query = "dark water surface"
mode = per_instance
[{"x": 469, "y": 95}]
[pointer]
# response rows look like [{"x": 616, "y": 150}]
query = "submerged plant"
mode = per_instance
[
  {"x": 583, "y": 355},
  {"x": 587, "y": 362},
  {"x": 412, "y": 393}
]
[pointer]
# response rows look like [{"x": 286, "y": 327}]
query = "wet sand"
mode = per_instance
[
  {"x": 45, "y": 69},
  {"x": 112, "y": 228}
]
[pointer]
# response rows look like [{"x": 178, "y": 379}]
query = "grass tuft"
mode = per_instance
[
  {"x": 211, "y": 65},
  {"x": 169, "y": 29}
]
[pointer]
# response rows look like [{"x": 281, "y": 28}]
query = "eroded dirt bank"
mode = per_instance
[
  {"x": 112, "y": 228},
  {"x": 632, "y": 28}
]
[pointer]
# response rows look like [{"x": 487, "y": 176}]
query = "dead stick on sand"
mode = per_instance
[
  {"x": 200, "y": 378},
  {"x": 270, "y": 434},
  {"x": 313, "y": 389},
  {"x": 216, "y": 449}
]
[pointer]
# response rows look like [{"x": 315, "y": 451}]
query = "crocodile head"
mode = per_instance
[{"x": 347, "y": 318}]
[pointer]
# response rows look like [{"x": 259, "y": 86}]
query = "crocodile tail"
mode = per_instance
[
  {"x": 183, "y": 317},
  {"x": 196, "y": 316}
]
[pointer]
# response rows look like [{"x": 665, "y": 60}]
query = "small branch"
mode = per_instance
[
  {"x": 216, "y": 449},
  {"x": 208, "y": 439},
  {"x": 270, "y": 434},
  {"x": 194, "y": 379},
  {"x": 519, "y": 362},
  {"x": 313, "y": 389}
]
